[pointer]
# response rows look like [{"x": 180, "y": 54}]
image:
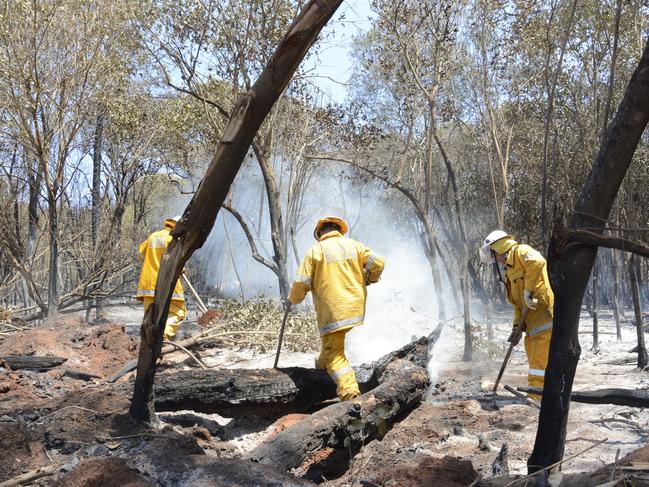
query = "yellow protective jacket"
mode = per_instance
[
  {"x": 527, "y": 270},
  {"x": 337, "y": 270},
  {"x": 151, "y": 250}
]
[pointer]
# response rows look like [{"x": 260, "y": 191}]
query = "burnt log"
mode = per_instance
[
  {"x": 345, "y": 424},
  {"x": 274, "y": 392},
  {"x": 619, "y": 397},
  {"x": 32, "y": 362},
  {"x": 244, "y": 392}
]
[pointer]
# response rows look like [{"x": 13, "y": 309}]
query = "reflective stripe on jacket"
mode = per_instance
[
  {"x": 527, "y": 270},
  {"x": 152, "y": 249},
  {"x": 337, "y": 270}
]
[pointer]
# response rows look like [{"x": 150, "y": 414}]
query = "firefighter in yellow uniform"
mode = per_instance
[
  {"x": 151, "y": 250},
  {"x": 528, "y": 286},
  {"x": 337, "y": 270}
]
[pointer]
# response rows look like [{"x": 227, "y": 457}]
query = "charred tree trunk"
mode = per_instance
[
  {"x": 464, "y": 251},
  {"x": 344, "y": 424},
  {"x": 617, "y": 315},
  {"x": 637, "y": 308},
  {"x": 570, "y": 267},
  {"x": 95, "y": 215},
  {"x": 96, "y": 179},
  {"x": 433, "y": 256},
  {"x": 35, "y": 180},
  {"x": 199, "y": 216},
  {"x": 53, "y": 279},
  {"x": 595, "y": 316},
  {"x": 277, "y": 235}
]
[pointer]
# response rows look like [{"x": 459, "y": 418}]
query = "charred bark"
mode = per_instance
[
  {"x": 344, "y": 424},
  {"x": 637, "y": 308},
  {"x": 570, "y": 270},
  {"x": 199, "y": 216},
  {"x": 237, "y": 393},
  {"x": 275, "y": 392},
  {"x": 17, "y": 362},
  {"x": 619, "y": 397}
]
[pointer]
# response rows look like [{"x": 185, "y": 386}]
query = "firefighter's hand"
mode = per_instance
[
  {"x": 515, "y": 336},
  {"x": 530, "y": 301}
]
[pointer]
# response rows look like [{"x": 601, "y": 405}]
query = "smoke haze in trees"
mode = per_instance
[{"x": 400, "y": 306}]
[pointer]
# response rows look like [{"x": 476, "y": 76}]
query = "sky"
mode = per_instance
[{"x": 332, "y": 68}]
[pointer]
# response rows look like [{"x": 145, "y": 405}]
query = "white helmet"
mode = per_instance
[{"x": 485, "y": 250}]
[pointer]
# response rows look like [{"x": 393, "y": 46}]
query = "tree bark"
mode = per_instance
[
  {"x": 595, "y": 316},
  {"x": 53, "y": 282},
  {"x": 617, "y": 315},
  {"x": 199, "y": 216},
  {"x": 570, "y": 270},
  {"x": 18, "y": 362},
  {"x": 35, "y": 180},
  {"x": 344, "y": 424},
  {"x": 637, "y": 308},
  {"x": 96, "y": 179}
]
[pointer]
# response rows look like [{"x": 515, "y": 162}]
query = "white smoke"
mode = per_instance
[{"x": 402, "y": 305}]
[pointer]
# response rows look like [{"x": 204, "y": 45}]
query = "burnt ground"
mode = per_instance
[{"x": 82, "y": 430}]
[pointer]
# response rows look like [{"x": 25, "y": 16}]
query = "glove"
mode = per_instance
[
  {"x": 515, "y": 336},
  {"x": 530, "y": 301}
]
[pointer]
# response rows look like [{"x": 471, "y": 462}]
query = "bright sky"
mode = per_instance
[{"x": 332, "y": 68}]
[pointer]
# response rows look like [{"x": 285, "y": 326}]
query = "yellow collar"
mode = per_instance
[{"x": 333, "y": 233}]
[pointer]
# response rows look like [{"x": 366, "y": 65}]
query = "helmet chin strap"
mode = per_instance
[{"x": 497, "y": 266}]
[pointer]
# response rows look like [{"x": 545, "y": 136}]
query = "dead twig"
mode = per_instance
[
  {"x": 618, "y": 420},
  {"x": 522, "y": 396},
  {"x": 29, "y": 476},
  {"x": 43, "y": 418},
  {"x": 180, "y": 347}
]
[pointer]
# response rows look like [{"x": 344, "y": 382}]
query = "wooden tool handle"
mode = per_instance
[{"x": 519, "y": 326}]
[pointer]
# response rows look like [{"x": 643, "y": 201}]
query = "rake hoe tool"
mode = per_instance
[
  {"x": 281, "y": 333},
  {"x": 520, "y": 325}
]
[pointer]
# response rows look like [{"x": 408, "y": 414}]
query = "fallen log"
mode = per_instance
[
  {"x": 243, "y": 392},
  {"x": 619, "y": 397},
  {"x": 344, "y": 424},
  {"x": 271, "y": 392},
  {"x": 32, "y": 362}
]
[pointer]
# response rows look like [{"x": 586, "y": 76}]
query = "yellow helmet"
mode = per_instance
[{"x": 330, "y": 219}]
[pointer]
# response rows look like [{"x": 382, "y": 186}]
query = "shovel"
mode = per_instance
[
  {"x": 207, "y": 315},
  {"x": 521, "y": 324}
]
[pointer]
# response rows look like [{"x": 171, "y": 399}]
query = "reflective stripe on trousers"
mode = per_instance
[
  {"x": 335, "y": 375},
  {"x": 328, "y": 328},
  {"x": 540, "y": 329},
  {"x": 332, "y": 357}
]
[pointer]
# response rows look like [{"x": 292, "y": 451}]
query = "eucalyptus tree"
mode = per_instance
[
  {"x": 212, "y": 50},
  {"x": 55, "y": 61}
]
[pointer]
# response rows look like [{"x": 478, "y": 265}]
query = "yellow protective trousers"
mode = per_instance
[
  {"x": 537, "y": 348},
  {"x": 332, "y": 358},
  {"x": 177, "y": 313}
]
